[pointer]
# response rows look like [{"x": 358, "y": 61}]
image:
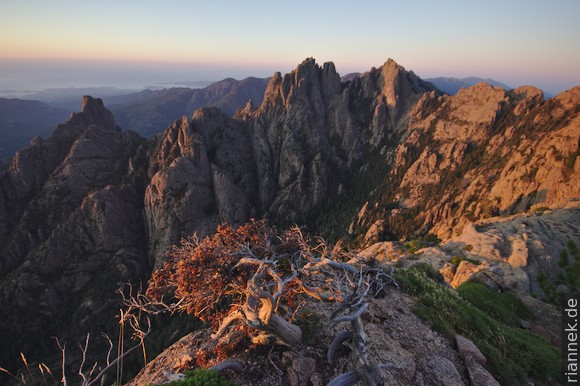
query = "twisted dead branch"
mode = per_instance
[
  {"x": 365, "y": 366},
  {"x": 262, "y": 276}
]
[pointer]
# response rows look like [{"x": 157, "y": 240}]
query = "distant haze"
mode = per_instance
[
  {"x": 135, "y": 44},
  {"x": 22, "y": 77}
]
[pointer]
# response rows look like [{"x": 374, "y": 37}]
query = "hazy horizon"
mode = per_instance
[{"x": 133, "y": 44}]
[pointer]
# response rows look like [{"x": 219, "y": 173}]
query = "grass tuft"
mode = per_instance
[{"x": 514, "y": 356}]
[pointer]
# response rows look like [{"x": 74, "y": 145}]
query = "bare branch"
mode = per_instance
[
  {"x": 102, "y": 373},
  {"x": 110, "y": 348},
  {"x": 253, "y": 261},
  {"x": 226, "y": 323},
  {"x": 316, "y": 293},
  {"x": 63, "y": 350},
  {"x": 84, "y": 357},
  {"x": 346, "y": 379},
  {"x": 365, "y": 365},
  {"x": 336, "y": 342},
  {"x": 350, "y": 317},
  {"x": 229, "y": 364}
]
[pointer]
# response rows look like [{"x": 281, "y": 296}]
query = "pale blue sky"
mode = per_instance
[{"x": 517, "y": 42}]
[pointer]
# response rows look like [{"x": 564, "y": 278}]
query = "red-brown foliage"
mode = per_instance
[{"x": 200, "y": 274}]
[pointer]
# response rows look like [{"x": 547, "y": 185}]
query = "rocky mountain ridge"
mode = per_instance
[
  {"x": 487, "y": 152},
  {"x": 92, "y": 207}
]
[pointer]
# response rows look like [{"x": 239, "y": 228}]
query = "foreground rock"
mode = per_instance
[{"x": 397, "y": 337}]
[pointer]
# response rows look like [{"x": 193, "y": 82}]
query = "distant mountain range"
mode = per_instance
[
  {"x": 148, "y": 112},
  {"x": 68, "y": 98},
  {"x": 452, "y": 85}
]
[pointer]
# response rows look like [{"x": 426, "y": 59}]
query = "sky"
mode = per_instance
[{"x": 127, "y": 43}]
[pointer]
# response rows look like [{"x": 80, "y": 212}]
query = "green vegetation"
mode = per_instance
[
  {"x": 414, "y": 245},
  {"x": 563, "y": 260},
  {"x": 202, "y": 377},
  {"x": 568, "y": 277},
  {"x": 348, "y": 193},
  {"x": 571, "y": 161},
  {"x": 310, "y": 323},
  {"x": 458, "y": 259},
  {"x": 513, "y": 354},
  {"x": 503, "y": 307}
]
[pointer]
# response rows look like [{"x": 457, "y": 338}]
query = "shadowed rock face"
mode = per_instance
[
  {"x": 91, "y": 206},
  {"x": 75, "y": 230}
]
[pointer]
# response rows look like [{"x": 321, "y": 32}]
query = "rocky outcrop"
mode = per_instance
[
  {"x": 202, "y": 175},
  {"x": 179, "y": 199},
  {"x": 518, "y": 248},
  {"x": 290, "y": 140},
  {"x": 503, "y": 253},
  {"x": 474, "y": 361},
  {"x": 396, "y": 336},
  {"x": 309, "y": 127},
  {"x": 79, "y": 236},
  {"x": 47, "y": 181},
  {"x": 481, "y": 153}
]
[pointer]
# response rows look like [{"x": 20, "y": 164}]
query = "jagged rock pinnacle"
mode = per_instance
[{"x": 88, "y": 103}]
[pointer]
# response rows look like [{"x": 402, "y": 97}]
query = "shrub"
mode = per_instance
[
  {"x": 502, "y": 306},
  {"x": 202, "y": 377},
  {"x": 250, "y": 276},
  {"x": 563, "y": 260},
  {"x": 573, "y": 248},
  {"x": 414, "y": 245},
  {"x": 458, "y": 259},
  {"x": 568, "y": 277},
  {"x": 200, "y": 273},
  {"x": 310, "y": 323}
]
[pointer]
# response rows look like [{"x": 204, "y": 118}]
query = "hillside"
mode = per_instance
[{"x": 382, "y": 158}]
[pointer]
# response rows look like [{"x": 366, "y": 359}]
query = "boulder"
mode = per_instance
[{"x": 467, "y": 349}]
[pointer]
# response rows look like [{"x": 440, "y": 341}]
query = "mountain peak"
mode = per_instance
[
  {"x": 93, "y": 111},
  {"x": 89, "y": 103},
  {"x": 308, "y": 80},
  {"x": 400, "y": 88}
]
